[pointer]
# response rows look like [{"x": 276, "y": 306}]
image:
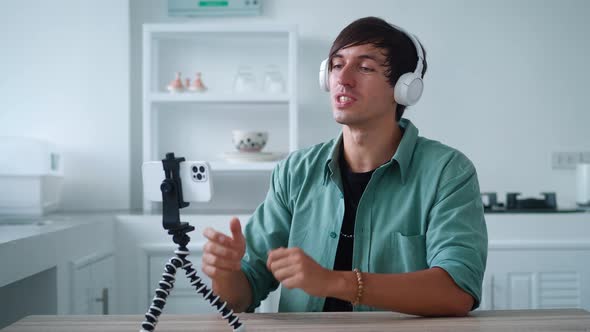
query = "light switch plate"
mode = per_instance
[{"x": 569, "y": 159}]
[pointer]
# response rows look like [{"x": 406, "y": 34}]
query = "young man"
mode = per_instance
[{"x": 403, "y": 211}]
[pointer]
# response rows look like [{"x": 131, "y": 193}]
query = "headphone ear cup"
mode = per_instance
[
  {"x": 408, "y": 89},
  {"x": 324, "y": 76}
]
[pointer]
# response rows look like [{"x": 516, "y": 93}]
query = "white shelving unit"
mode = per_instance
[
  {"x": 218, "y": 98},
  {"x": 197, "y": 125}
]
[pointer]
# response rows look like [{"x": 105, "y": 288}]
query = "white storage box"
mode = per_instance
[{"x": 31, "y": 176}]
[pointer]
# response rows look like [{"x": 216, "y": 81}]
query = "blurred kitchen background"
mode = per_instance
[{"x": 506, "y": 84}]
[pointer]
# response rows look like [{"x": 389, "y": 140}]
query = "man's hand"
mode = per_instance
[
  {"x": 221, "y": 262},
  {"x": 222, "y": 254},
  {"x": 294, "y": 269}
]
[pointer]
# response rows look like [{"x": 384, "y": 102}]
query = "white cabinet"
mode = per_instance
[
  {"x": 198, "y": 125},
  {"x": 537, "y": 276},
  {"x": 68, "y": 259},
  {"x": 534, "y": 261},
  {"x": 92, "y": 280},
  {"x": 537, "y": 261}
]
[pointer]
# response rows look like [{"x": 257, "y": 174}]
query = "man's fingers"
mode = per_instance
[
  {"x": 279, "y": 264},
  {"x": 215, "y": 236},
  {"x": 280, "y": 255},
  {"x": 219, "y": 238},
  {"x": 214, "y": 272},
  {"x": 220, "y": 263},
  {"x": 221, "y": 251},
  {"x": 284, "y": 272},
  {"x": 236, "y": 230}
]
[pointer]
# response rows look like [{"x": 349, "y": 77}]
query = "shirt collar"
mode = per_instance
[
  {"x": 405, "y": 150},
  {"x": 403, "y": 154},
  {"x": 332, "y": 159}
]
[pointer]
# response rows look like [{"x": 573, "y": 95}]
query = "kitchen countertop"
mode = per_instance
[
  {"x": 41, "y": 237},
  {"x": 501, "y": 321},
  {"x": 572, "y": 210},
  {"x": 13, "y": 228},
  {"x": 56, "y": 238},
  {"x": 47, "y": 241}
]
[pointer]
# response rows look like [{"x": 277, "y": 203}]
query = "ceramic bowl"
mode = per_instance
[{"x": 249, "y": 141}]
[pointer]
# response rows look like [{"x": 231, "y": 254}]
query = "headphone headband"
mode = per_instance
[{"x": 419, "y": 52}]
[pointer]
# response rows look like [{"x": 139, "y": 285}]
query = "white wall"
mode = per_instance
[
  {"x": 505, "y": 85},
  {"x": 64, "y": 77}
]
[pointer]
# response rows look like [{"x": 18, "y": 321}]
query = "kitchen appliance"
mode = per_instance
[
  {"x": 548, "y": 203},
  {"x": 31, "y": 176},
  {"x": 583, "y": 185},
  {"x": 490, "y": 201}
]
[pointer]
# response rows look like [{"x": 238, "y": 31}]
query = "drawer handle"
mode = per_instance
[{"x": 105, "y": 301}]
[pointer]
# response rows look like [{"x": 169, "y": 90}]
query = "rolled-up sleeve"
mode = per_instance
[
  {"x": 456, "y": 238},
  {"x": 267, "y": 229}
]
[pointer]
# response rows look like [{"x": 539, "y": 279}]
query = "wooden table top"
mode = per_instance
[{"x": 504, "y": 321}]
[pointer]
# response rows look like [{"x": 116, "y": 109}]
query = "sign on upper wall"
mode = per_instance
[{"x": 194, "y": 8}]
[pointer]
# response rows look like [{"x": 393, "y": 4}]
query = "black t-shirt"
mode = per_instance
[{"x": 354, "y": 185}]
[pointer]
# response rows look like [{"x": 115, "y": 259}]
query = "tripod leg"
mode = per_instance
[
  {"x": 207, "y": 293},
  {"x": 166, "y": 285}
]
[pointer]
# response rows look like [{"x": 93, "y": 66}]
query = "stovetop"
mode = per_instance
[{"x": 515, "y": 204}]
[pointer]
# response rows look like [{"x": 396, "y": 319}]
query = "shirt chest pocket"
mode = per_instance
[{"x": 401, "y": 253}]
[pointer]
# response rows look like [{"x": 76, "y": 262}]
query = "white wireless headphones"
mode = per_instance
[{"x": 408, "y": 88}]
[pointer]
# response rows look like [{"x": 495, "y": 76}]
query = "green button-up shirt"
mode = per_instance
[{"x": 419, "y": 210}]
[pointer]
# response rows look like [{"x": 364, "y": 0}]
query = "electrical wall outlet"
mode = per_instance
[{"x": 568, "y": 160}]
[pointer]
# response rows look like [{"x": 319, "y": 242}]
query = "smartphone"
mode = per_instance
[{"x": 195, "y": 177}]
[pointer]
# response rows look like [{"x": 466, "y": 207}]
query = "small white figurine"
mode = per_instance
[
  {"x": 198, "y": 85},
  {"x": 176, "y": 84}
]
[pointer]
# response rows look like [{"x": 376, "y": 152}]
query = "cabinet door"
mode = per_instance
[
  {"x": 537, "y": 278},
  {"x": 92, "y": 284},
  {"x": 80, "y": 304},
  {"x": 102, "y": 283}
]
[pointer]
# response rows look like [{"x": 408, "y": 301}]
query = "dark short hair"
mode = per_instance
[{"x": 400, "y": 52}]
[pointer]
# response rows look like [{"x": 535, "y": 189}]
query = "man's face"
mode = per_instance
[{"x": 360, "y": 92}]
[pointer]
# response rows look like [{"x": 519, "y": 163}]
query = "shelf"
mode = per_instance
[
  {"x": 169, "y": 48},
  {"x": 207, "y": 97},
  {"x": 179, "y": 30},
  {"x": 252, "y": 166}
]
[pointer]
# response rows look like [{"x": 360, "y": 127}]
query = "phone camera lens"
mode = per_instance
[
  {"x": 199, "y": 176},
  {"x": 202, "y": 169},
  {"x": 195, "y": 169}
]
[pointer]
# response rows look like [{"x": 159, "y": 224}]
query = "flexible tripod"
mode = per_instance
[{"x": 172, "y": 200}]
